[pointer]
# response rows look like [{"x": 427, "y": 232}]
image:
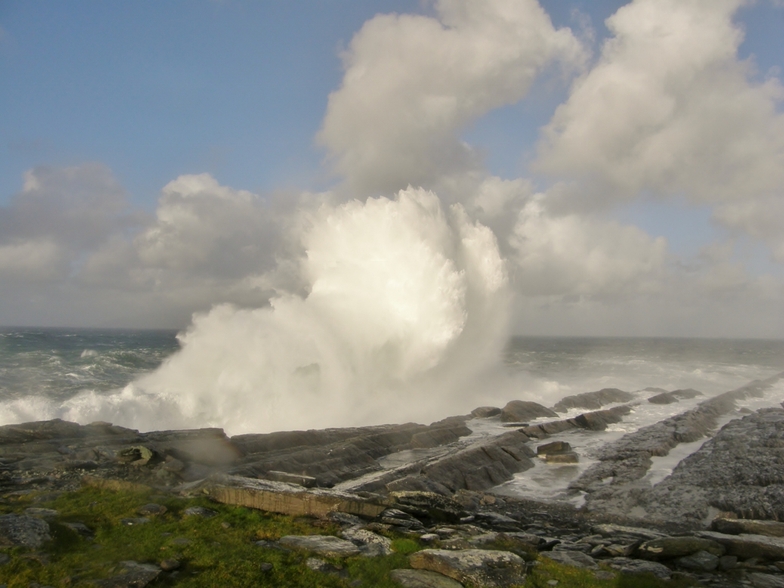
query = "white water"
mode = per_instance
[{"x": 405, "y": 311}]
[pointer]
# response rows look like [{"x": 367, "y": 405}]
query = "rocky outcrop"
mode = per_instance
[
  {"x": 518, "y": 411},
  {"x": 611, "y": 484},
  {"x": 494, "y": 569},
  {"x": 287, "y": 498},
  {"x": 593, "y": 421},
  {"x": 593, "y": 400}
]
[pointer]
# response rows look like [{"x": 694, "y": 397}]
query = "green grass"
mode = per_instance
[{"x": 219, "y": 551}]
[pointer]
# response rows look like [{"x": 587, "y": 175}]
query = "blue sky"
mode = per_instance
[{"x": 239, "y": 90}]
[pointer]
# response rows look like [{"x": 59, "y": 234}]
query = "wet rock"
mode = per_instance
[
  {"x": 484, "y": 412},
  {"x": 663, "y": 398},
  {"x": 476, "y": 566},
  {"x": 422, "y": 579},
  {"x": 518, "y": 411},
  {"x": 753, "y": 527},
  {"x": 23, "y": 530},
  {"x": 593, "y": 400},
  {"x": 484, "y": 464},
  {"x": 325, "y": 545},
  {"x": 553, "y": 447},
  {"x": 670, "y": 547},
  {"x": 299, "y": 480},
  {"x": 562, "y": 458}
]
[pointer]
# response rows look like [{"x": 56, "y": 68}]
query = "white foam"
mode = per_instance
[{"x": 406, "y": 309}]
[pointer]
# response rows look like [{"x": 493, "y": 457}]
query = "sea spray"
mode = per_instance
[{"x": 406, "y": 306}]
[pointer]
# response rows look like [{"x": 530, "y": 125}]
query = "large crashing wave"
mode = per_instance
[{"x": 406, "y": 307}]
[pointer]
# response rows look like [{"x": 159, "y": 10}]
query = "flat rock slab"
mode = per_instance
[
  {"x": 766, "y": 581},
  {"x": 636, "y": 566},
  {"x": 287, "y": 498},
  {"x": 23, "y": 530},
  {"x": 670, "y": 547},
  {"x": 576, "y": 559},
  {"x": 493, "y": 569},
  {"x": 137, "y": 576},
  {"x": 325, "y": 545},
  {"x": 423, "y": 579},
  {"x": 748, "y": 526},
  {"x": 747, "y": 545}
]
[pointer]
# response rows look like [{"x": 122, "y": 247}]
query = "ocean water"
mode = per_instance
[
  {"x": 80, "y": 374},
  {"x": 86, "y": 375}
]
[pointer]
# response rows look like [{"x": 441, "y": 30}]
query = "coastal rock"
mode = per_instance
[
  {"x": 518, "y": 411},
  {"x": 422, "y": 579},
  {"x": 484, "y": 412},
  {"x": 23, "y": 530},
  {"x": 325, "y": 545},
  {"x": 766, "y": 580},
  {"x": 138, "y": 575},
  {"x": 629, "y": 566},
  {"x": 593, "y": 400},
  {"x": 671, "y": 547},
  {"x": 663, "y": 398},
  {"x": 702, "y": 561},
  {"x": 748, "y": 546},
  {"x": 288, "y": 498},
  {"x": 576, "y": 559},
  {"x": 748, "y": 526},
  {"x": 370, "y": 544},
  {"x": 476, "y": 566}
]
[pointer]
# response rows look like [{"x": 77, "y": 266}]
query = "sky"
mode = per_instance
[{"x": 157, "y": 159}]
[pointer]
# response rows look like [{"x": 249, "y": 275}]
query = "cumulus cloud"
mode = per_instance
[
  {"x": 412, "y": 82},
  {"x": 670, "y": 108},
  {"x": 581, "y": 255}
]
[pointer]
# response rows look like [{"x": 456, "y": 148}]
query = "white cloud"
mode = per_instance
[
  {"x": 412, "y": 82},
  {"x": 581, "y": 255},
  {"x": 670, "y": 108}
]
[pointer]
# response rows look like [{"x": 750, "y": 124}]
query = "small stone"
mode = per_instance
[
  {"x": 80, "y": 528},
  {"x": 429, "y": 538},
  {"x": 370, "y": 544},
  {"x": 199, "y": 511},
  {"x": 225, "y": 525},
  {"x": 266, "y": 566},
  {"x": 169, "y": 565},
  {"x": 181, "y": 541},
  {"x": 152, "y": 509},
  {"x": 603, "y": 575},
  {"x": 130, "y": 522},
  {"x": 319, "y": 565},
  {"x": 552, "y": 582},
  {"x": 42, "y": 513}
]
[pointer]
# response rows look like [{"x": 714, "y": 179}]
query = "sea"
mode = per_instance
[{"x": 43, "y": 369}]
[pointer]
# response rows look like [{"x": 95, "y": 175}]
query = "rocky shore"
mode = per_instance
[{"x": 716, "y": 519}]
